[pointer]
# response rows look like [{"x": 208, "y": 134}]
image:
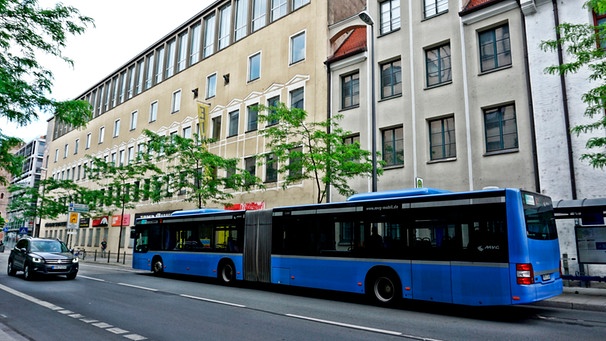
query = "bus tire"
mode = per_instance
[
  {"x": 157, "y": 266},
  {"x": 384, "y": 287},
  {"x": 227, "y": 272}
]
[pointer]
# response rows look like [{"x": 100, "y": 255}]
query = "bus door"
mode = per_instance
[
  {"x": 257, "y": 246},
  {"x": 431, "y": 272}
]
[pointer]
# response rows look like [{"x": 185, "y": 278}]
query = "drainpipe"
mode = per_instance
[
  {"x": 573, "y": 183},
  {"x": 328, "y": 116}
]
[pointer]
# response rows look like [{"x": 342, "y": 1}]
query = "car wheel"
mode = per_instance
[
  {"x": 157, "y": 266},
  {"x": 27, "y": 273},
  {"x": 10, "y": 270}
]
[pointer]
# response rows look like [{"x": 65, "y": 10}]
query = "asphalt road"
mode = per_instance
[{"x": 108, "y": 302}]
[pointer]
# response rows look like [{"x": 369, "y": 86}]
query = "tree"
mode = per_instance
[
  {"x": 195, "y": 172},
  {"x": 586, "y": 46},
  {"x": 26, "y": 31},
  {"x": 119, "y": 185},
  {"x": 313, "y": 150},
  {"x": 47, "y": 199}
]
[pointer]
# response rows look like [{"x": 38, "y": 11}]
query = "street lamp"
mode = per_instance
[{"x": 373, "y": 113}]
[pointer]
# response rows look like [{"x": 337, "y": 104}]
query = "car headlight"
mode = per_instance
[
  {"x": 37, "y": 260},
  {"x": 75, "y": 260}
]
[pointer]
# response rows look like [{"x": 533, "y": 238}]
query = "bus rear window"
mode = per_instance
[{"x": 540, "y": 220}]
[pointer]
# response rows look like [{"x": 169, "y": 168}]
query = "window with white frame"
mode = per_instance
[
  {"x": 149, "y": 71},
  {"x": 131, "y": 154},
  {"x": 133, "y": 120},
  {"x": 224, "y": 26},
  {"x": 234, "y": 121},
  {"x": 390, "y": 16},
  {"x": 296, "y": 4},
  {"x": 140, "y": 76},
  {"x": 252, "y": 118},
  {"x": 65, "y": 150},
  {"x": 297, "y": 98},
  {"x": 194, "y": 55},
  {"x": 187, "y": 132},
  {"x": 434, "y": 7},
  {"x": 254, "y": 67},
  {"x": 297, "y": 48},
  {"x": 101, "y": 134},
  {"x": 170, "y": 58},
  {"x": 241, "y": 19},
  {"x": 211, "y": 86},
  {"x": 76, "y": 146},
  {"x": 116, "y": 128},
  {"x": 153, "y": 111},
  {"x": 209, "y": 36},
  {"x": 259, "y": 13},
  {"x": 176, "y": 102},
  {"x": 216, "y": 128},
  {"x": 271, "y": 168},
  {"x": 182, "y": 52},
  {"x": 159, "y": 65},
  {"x": 278, "y": 9},
  {"x": 89, "y": 137}
]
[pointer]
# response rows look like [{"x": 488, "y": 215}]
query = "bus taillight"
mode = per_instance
[{"x": 524, "y": 273}]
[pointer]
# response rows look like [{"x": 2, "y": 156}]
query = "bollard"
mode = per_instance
[
  {"x": 108, "y": 255},
  {"x": 95, "y": 256},
  {"x": 124, "y": 258}
]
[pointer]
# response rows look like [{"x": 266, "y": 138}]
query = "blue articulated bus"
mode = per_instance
[{"x": 478, "y": 248}]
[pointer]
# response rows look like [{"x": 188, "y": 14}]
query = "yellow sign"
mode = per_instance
[
  {"x": 202, "y": 113},
  {"x": 73, "y": 221}
]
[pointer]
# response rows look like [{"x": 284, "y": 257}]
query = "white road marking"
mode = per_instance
[
  {"x": 213, "y": 301},
  {"x": 347, "y": 325},
  {"x": 102, "y": 325},
  {"x": 92, "y": 278},
  {"x": 137, "y": 287}
]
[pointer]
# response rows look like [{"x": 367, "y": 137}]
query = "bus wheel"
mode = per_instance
[
  {"x": 384, "y": 288},
  {"x": 157, "y": 266},
  {"x": 227, "y": 272}
]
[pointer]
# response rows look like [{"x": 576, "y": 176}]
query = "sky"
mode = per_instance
[{"x": 123, "y": 28}]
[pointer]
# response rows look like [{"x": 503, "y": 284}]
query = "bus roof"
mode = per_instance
[
  {"x": 198, "y": 211},
  {"x": 396, "y": 194}
]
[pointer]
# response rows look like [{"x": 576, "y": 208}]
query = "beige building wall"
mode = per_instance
[{"x": 278, "y": 76}]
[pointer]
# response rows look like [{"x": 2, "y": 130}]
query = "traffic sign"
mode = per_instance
[
  {"x": 73, "y": 220},
  {"x": 77, "y": 208}
]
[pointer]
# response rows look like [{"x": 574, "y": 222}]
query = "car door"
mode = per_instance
[{"x": 19, "y": 255}]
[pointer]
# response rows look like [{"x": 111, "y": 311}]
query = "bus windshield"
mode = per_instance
[{"x": 540, "y": 220}]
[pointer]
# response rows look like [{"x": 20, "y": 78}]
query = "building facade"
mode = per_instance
[
  {"x": 31, "y": 173},
  {"x": 461, "y": 107}
]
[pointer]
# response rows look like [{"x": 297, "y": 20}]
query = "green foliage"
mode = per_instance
[
  {"x": 586, "y": 46},
  {"x": 314, "y": 150},
  {"x": 119, "y": 185},
  {"x": 195, "y": 172},
  {"x": 26, "y": 32},
  {"x": 8, "y": 160},
  {"x": 47, "y": 200}
]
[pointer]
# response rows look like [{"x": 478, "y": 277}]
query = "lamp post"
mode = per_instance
[{"x": 373, "y": 112}]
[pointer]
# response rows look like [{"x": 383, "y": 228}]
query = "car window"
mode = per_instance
[
  {"x": 48, "y": 246},
  {"x": 21, "y": 244}
]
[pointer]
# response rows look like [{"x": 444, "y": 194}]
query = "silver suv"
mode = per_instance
[{"x": 39, "y": 256}]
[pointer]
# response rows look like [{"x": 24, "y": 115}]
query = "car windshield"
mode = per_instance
[{"x": 48, "y": 246}]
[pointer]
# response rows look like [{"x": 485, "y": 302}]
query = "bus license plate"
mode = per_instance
[
  {"x": 63, "y": 267},
  {"x": 546, "y": 277}
]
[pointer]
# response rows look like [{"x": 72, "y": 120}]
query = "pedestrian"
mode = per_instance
[{"x": 103, "y": 247}]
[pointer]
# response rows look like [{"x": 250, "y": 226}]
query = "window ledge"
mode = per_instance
[
  {"x": 501, "y": 152},
  {"x": 448, "y": 159}
]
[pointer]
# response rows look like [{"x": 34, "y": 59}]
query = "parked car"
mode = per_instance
[{"x": 41, "y": 256}]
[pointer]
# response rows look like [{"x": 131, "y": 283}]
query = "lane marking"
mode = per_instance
[
  {"x": 212, "y": 301},
  {"x": 65, "y": 312},
  {"x": 347, "y": 325},
  {"x": 92, "y": 278},
  {"x": 137, "y": 287}
]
